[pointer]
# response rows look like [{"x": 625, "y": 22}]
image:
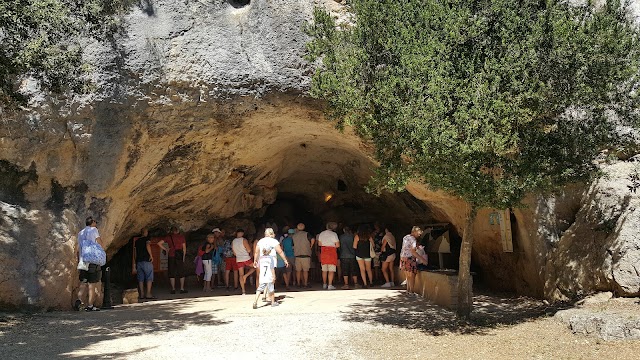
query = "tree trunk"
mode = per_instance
[{"x": 464, "y": 273}]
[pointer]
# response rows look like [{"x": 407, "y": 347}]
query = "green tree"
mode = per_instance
[
  {"x": 488, "y": 100},
  {"x": 41, "y": 39}
]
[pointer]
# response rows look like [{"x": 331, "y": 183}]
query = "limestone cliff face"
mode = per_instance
[
  {"x": 600, "y": 250},
  {"x": 200, "y": 115}
]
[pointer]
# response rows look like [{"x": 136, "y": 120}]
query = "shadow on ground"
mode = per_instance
[
  {"x": 489, "y": 312},
  {"x": 60, "y": 334}
]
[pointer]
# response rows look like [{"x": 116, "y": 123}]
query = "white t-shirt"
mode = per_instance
[
  {"x": 89, "y": 233},
  {"x": 242, "y": 254},
  {"x": 265, "y": 243},
  {"x": 265, "y": 266},
  {"x": 408, "y": 243},
  {"x": 328, "y": 238},
  {"x": 391, "y": 240}
]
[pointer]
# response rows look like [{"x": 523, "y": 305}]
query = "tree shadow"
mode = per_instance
[
  {"x": 70, "y": 334},
  {"x": 489, "y": 312}
]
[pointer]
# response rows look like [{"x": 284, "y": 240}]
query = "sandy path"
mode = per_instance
[{"x": 361, "y": 324}]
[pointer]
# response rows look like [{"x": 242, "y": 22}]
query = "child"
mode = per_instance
[
  {"x": 207, "y": 256},
  {"x": 267, "y": 276}
]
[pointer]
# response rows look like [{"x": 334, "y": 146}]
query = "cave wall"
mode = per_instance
[{"x": 200, "y": 118}]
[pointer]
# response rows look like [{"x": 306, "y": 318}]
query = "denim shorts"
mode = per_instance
[{"x": 145, "y": 271}]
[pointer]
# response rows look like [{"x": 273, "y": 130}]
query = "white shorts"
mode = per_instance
[
  {"x": 208, "y": 270},
  {"x": 391, "y": 258},
  {"x": 268, "y": 286},
  {"x": 328, "y": 267}
]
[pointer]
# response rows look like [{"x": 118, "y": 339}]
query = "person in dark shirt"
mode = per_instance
[{"x": 143, "y": 264}]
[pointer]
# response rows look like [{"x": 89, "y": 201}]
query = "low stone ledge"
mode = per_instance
[{"x": 438, "y": 286}]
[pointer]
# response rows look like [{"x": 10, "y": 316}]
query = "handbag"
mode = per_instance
[
  {"x": 82, "y": 265},
  {"x": 372, "y": 252},
  {"x": 90, "y": 251},
  {"x": 94, "y": 254}
]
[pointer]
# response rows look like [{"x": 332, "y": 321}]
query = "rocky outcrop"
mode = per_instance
[
  {"x": 199, "y": 116},
  {"x": 603, "y": 317},
  {"x": 601, "y": 248},
  {"x": 200, "y": 119}
]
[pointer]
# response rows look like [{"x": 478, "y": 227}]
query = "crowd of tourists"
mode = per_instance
[{"x": 292, "y": 258}]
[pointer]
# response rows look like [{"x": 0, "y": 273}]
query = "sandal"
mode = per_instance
[{"x": 91, "y": 308}]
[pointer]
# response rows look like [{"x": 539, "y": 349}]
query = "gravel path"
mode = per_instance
[{"x": 362, "y": 324}]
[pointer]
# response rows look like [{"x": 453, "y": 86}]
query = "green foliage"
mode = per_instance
[
  {"x": 41, "y": 38},
  {"x": 486, "y": 99}
]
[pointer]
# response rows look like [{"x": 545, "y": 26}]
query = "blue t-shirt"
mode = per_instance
[
  {"x": 280, "y": 263},
  {"x": 287, "y": 246}
]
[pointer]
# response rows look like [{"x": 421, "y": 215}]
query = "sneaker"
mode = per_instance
[
  {"x": 331, "y": 287},
  {"x": 308, "y": 286},
  {"x": 392, "y": 284},
  {"x": 172, "y": 291},
  {"x": 345, "y": 287},
  {"x": 324, "y": 286},
  {"x": 357, "y": 286},
  {"x": 78, "y": 305},
  {"x": 275, "y": 303},
  {"x": 386, "y": 285},
  {"x": 255, "y": 305},
  {"x": 91, "y": 308},
  {"x": 183, "y": 291},
  {"x": 403, "y": 283}
]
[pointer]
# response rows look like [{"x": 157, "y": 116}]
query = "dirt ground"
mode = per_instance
[{"x": 353, "y": 324}]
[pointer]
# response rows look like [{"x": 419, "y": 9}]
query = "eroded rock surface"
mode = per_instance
[
  {"x": 199, "y": 116},
  {"x": 601, "y": 248}
]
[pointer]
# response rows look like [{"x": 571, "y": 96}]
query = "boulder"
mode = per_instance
[
  {"x": 595, "y": 299},
  {"x": 130, "y": 296},
  {"x": 600, "y": 251},
  {"x": 603, "y": 324}
]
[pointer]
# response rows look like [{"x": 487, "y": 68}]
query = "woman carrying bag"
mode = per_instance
[{"x": 91, "y": 257}]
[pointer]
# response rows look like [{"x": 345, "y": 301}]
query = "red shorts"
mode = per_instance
[
  {"x": 230, "y": 264},
  {"x": 248, "y": 263}
]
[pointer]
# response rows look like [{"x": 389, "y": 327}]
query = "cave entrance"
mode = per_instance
[{"x": 277, "y": 167}]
